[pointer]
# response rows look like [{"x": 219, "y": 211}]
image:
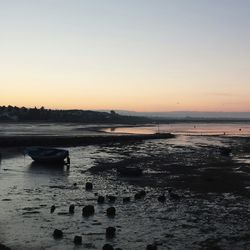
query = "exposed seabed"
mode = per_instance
[{"x": 210, "y": 211}]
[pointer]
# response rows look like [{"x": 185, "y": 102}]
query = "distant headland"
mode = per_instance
[
  {"x": 22, "y": 114},
  {"x": 16, "y": 114}
]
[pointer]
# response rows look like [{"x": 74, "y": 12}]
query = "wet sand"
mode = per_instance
[
  {"x": 73, "y": 141},
  {"x": 200, "y": 169},
  {"x": 212, "y": 212}
]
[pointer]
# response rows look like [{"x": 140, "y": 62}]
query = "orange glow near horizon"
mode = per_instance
[
  {"x": 125, "y": 96},
  {"x": 136, "y": 107},
  {"x": 126, "y": 55}
]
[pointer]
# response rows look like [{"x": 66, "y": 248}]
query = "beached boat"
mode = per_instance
[{"x": 48, "y": 155}]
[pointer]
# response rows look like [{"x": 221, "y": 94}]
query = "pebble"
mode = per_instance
[
  {"x": 107, "y": 247},
  {"x": 111, "y": 211},
  {"x": 78, "y": 240},
  {"x": 72, "y": 209},
  {"x": 100, "y": 199},
  {"x": 88, "y": 210},
  {"x": 126, "y": 199},
  {"x": 52, "y": 209},
  {"x": 89, "y": 186},
  {"x": 162, "y": 198},
  {"x": 111, "y": 198},
  {"x": 140, "y": 195},
  {"x": 110, "y": 232},
  {"x": 57, "y": 234}
]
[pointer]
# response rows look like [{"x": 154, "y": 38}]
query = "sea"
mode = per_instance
[{"x": 182, "y": 128}]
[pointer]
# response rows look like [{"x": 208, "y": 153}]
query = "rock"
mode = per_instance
[
  {"x": 140, "y": 195},
  {"x": 151, "y": 247},
  {"x": 110, "y": 232},
  {"x": 126, "y": 199},
  {"x": 72, "y": 209},
  {"x": 100, "y": 199},
  {"x": 75, "y": 184},
  {"x": 89, "y": 186},
  {"x": 107, "y": 247},
  {"x": 111, "y": 198},
  {"x": 137, "y": 196},
  {"x": 118, "y": 248},
  {"x": 78, "y": 240},
  {"x": 3, "y": 247},
  {"x": 88, "y": 210},
  {"x": 52, "y": 209},
  {"x": 162, "y": 198},
  {"x": 58, "y": 234},
  {"x": 173, "y": 196},
  {"x": 111, "y": 211}
]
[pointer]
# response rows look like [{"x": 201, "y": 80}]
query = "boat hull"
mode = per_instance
[{"x": 47, "y": 155}]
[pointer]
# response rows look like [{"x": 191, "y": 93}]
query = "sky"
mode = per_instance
[{"x": 140, "y": 55}]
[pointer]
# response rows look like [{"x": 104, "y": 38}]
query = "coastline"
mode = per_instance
[{"x": 73, "y": 141}]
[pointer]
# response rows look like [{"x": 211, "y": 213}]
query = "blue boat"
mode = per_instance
[{"x": 48, "y": 155}]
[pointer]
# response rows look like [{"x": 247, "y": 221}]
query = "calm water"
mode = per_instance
[
  {"x": 68, "y": 129},
  {"x": 53, "y": 129},
  {"x": 235, "y": 129}
]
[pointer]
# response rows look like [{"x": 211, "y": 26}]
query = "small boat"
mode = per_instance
[{"x": 48, "y": 155}]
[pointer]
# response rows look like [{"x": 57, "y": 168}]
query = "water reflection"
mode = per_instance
[
  {"x": 226, "y": 129},
  {"x": 48, "y": 168}
]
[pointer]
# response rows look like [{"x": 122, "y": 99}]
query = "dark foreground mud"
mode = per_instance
[
  {"x": 200, "y": 168},
  {"x": 208, "y": 207},
  {"x": 73, "y": 141}
]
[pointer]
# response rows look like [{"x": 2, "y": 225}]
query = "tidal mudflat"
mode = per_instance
[{"x": 207, "y": 207}]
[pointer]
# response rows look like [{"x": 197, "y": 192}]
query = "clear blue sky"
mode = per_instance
[{"x": 126, "y": 54}]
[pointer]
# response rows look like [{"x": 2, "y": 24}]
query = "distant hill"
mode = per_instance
[
  {"x": 188, "y": 115},
  {"x": 23, "y": 114}
]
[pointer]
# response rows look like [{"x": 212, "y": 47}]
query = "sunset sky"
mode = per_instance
[{"x": 141, "y": 55}]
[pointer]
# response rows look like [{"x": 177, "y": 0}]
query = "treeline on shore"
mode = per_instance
[{"x": 23, "y": 114}]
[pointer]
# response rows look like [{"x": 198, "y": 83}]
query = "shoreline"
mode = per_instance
[{"x": 73, "y": 141}]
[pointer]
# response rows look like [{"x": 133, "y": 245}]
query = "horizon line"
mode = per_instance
[{"x": 125, "y": 110}]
